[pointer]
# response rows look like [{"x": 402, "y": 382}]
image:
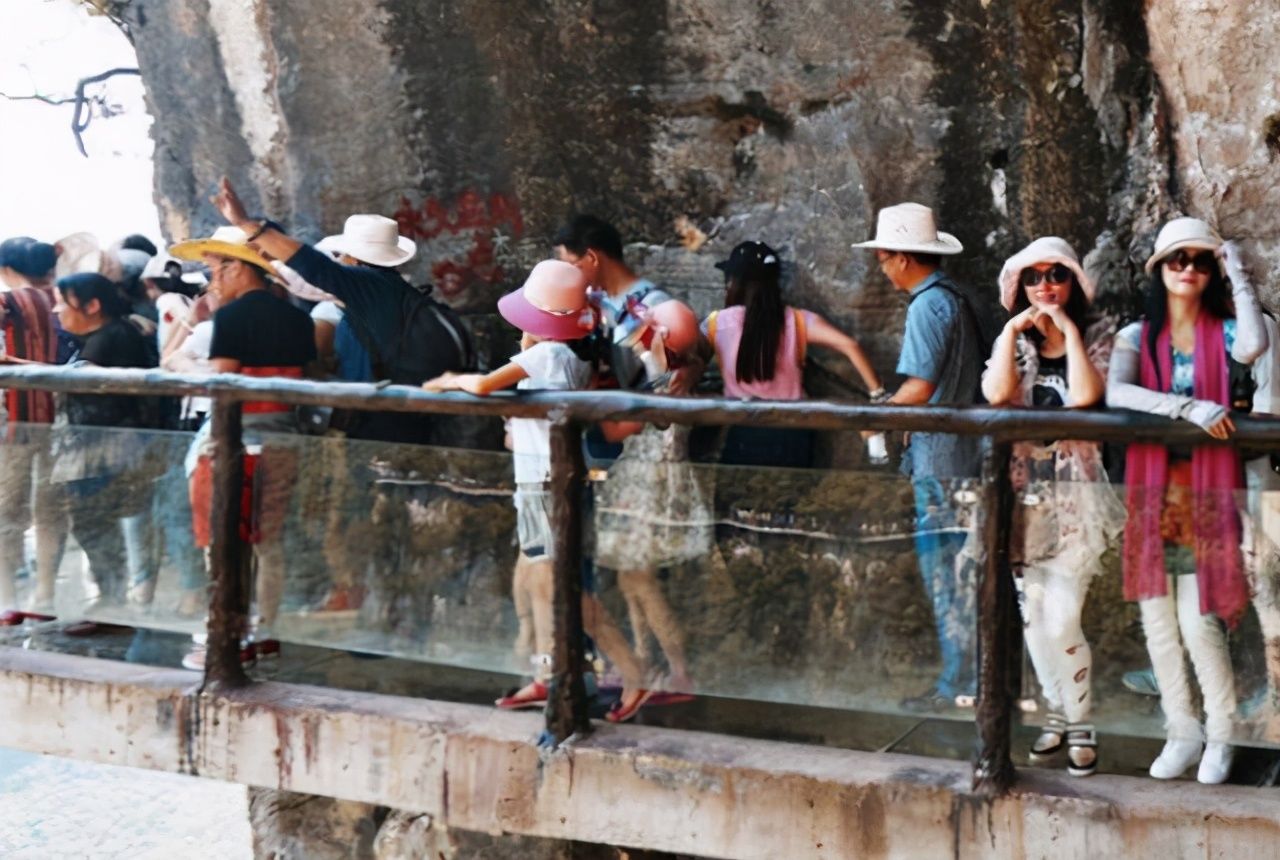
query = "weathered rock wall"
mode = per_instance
[{"x": 482, "y": 123}]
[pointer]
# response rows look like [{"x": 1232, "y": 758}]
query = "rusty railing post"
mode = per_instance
[
  {"x": 566, "y": 711},
  {"x": 999, "y": 632},
  {"x": 229, "y": 555}
]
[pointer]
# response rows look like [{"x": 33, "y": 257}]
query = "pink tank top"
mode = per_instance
[{"x": 788, "y": 375}]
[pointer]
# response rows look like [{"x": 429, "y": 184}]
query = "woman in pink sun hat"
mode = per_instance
[{"x": 551, "y": 310}]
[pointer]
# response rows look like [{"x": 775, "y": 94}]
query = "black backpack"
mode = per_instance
[{"x": 432, "y": 340}]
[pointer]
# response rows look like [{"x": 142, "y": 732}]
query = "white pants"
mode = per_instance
[
  {"x": 1170, "y": 622},
  {"x": 1052, "y": 601}
]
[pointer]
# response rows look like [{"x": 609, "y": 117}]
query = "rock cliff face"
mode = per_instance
[{"x": 480, "y": 124}]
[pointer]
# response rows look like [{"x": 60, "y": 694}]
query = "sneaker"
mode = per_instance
[
  {"x": 1215, "y": 764},
  {"x": 12, "y": 617},
  {"x": 930, "y": 702},
  {"x": 1142, "y": 682},
  {"x": 532, "y": 695},
  {"x": 1176, "y": 757},
  {"x": 621, "y": 714}
]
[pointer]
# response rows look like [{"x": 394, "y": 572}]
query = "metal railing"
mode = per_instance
[{"x": 999, "y": 627}]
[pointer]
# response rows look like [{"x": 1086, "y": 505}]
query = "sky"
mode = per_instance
[{"x": 47, "y": 188}]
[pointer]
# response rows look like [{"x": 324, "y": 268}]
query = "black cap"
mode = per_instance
[
  {"x": 751, "y": 258},
  {"x": 26, "y": 256}
]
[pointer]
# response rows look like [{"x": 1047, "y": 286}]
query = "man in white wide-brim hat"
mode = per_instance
[
  {"x": 408, "y": 337},
  {"x": 941, "y": 360}
]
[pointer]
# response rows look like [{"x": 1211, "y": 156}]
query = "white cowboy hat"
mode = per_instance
[
  {"x": 1182, "y": 233},
  {"x": 373, "y": 239},
  {"x": 1046, "y": 249},
  {"x": 910, "y": 227}
]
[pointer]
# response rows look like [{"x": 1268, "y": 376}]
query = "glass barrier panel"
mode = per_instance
[
  {"x": 96, "y": 525},
  {"x": 1150, "y": 611},
  {"x": 851, "y": 589}
]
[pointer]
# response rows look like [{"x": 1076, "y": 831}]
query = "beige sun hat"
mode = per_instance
[
  {"x": 1046, "y": 249},
  {"x": 225, "y": 242},
  {"x": 371, "y": 239},
  {"x": 911, "y": 227},
  {"x": 81, "y": 252},
  {"x": 1182, "y": 233}
]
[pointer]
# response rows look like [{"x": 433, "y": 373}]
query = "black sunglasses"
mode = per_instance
[
  {"x": 1055, "y": 274},
  {"x": 1202, "y": 262}
]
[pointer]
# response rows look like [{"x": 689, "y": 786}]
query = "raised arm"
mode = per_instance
[
  {"x": 263, "y": 237},
  {"x": 1251, "y": 332}
]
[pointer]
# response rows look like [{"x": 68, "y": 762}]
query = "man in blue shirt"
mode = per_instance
[{"x": 942, "y": 359}]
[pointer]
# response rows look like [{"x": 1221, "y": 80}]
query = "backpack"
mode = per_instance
[
  {"x": 416, "y": 356},
  {"x": 412, "y": 359},
  {"x": 986, "y": 337}
]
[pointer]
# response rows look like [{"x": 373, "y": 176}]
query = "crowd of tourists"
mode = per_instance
[{"x": 252, "y": 300}]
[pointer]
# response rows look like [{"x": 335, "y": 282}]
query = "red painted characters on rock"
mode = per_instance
[{"x": 461, "y": 237}]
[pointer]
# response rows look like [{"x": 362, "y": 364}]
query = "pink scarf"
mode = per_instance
[{"x": 1216, "y": 474}]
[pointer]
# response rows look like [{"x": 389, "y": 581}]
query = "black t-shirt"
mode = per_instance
[
  {"x": 1050, "y": 387},
  {"x": 260, "y": 330},
  {"x": 119, "y": 343}
]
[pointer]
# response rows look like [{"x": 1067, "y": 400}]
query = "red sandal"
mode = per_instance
[
  {"x": 532, "y": 695},
  {"x": 620, "y": 713}
]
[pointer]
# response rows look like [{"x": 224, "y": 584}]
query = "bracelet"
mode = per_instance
[{"x": 262, "y": 228}]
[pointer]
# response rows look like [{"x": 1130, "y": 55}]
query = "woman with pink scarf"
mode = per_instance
[
  {"x": 1048, "y": 356},
  {"x": 1182, "y": 559}
]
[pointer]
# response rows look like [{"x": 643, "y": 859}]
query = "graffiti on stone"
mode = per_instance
[{"x": 462, "y": 239}]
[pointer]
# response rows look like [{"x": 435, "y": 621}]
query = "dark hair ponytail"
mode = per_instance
[
  {"x": 87, "y": 286},
  {"x": 763, "y": 321},
  {"x": 1216, "y": 299}
]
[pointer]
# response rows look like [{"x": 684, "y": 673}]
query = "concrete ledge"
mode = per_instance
[{"x": 474, "y": 768}]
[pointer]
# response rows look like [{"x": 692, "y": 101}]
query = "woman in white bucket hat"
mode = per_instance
[
  {"x": 1047, "y": 356},
  {"x": 1182, "y": 558}
]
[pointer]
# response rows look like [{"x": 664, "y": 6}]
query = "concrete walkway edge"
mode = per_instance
[{"x": 475, "y": 768}]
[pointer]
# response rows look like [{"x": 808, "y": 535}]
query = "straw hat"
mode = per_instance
[
  {"x": 911, "y": 227},
  {"x": 552, "y": 304},
  {"x": 1046, "y": 249},
  {"x": 225, "y": 242},
  {"x": 1182, "y": 233},
  {"x": 373, "y": 239}
]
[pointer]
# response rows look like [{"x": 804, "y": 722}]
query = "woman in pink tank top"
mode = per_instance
[{"x": 760, "y": 344}]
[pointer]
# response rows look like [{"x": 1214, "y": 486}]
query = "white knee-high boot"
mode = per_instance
[{"x": 1164, "y": 646}]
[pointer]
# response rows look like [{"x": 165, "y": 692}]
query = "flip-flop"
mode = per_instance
[
  {"x": 533, "y": 695},
  {"x": 669, "y": 698},
  {"x": 620, "y": 714}
]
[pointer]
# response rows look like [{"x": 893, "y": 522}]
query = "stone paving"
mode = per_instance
[{"x": 53, "y": 808}]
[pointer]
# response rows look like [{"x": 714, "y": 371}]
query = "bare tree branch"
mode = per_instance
[
  {"x": 80, "y": 121},
  {"x": 83, "y": 103},
  {"x": 36, "y": 97}
]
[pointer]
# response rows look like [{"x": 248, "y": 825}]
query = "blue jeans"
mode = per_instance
[{"x": 951, "y": 591}]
